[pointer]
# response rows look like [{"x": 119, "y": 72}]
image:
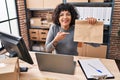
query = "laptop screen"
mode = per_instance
[{"x": 55, "y": 63}]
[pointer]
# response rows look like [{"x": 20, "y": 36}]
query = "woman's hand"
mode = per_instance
[
  {"x": 91, "y": 20},
  {"x": 60, "y": 36}
]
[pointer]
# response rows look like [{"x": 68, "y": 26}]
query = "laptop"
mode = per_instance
[{"x": 55, "y": 63}]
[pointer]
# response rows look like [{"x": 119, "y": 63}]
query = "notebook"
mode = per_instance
[
  {"x": 94, "y": 69},
  {"x": 55, "y": 63}
]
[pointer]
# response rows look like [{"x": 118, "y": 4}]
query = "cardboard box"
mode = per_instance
[
  {"x": 34, "y": 4},
  {"x": 99, "y": 52},
  {"x": 91, "y": 51},
  {"x": 38, "y": 34},
  {"x": 96, "y": 0},
  {"x": 34, "y": 34},
  {"x": 40, "y": 4},
  {"x": 51, "y": 3},
  {"x": 9, "y": 69},
  {"x": 43, "y": 34},
  {"x": 35, "y": 22},
  {"x": 45, "y": 24},
  {"x": 39, "y": 23},
  {"x": 77, "y": 0}
]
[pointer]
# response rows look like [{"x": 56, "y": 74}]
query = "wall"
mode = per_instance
[
  {"x": 115, "y": 40},
  {"x": 114, "y": 51},
  {"x": 22, "y": 20}
]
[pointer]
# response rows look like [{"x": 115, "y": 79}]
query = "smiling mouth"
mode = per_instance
[{"x": 65, "y": 21}]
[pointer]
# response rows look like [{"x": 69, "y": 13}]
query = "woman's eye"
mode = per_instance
[
  {"x": 68, "y": 14},
  {"x": 61, "y": 14},
  {"x": 65, "y": 14}
]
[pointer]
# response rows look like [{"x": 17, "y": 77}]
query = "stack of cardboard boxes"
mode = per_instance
[
  {"x": 85, "y": 0},
  {"x": 42, "y": 4},
  {"x": 38, "y": 34}
]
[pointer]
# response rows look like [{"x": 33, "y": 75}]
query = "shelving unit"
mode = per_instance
[
  {"x": 38, "y": 19},
  {"x": 38, "y": 29}
]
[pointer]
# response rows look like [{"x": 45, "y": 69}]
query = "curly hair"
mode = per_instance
[{"x": 64, "y": 7}]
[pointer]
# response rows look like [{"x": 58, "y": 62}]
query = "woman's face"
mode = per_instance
[{"x": 65, "y": 19}]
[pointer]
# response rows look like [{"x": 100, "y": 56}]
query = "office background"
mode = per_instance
[{"x": 114, "y": 38}]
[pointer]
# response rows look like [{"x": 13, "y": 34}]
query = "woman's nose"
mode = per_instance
[{"x": 65, "y": 16}]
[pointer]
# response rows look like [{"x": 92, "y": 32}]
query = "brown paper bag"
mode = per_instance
[{"x": 85, "y": 32}]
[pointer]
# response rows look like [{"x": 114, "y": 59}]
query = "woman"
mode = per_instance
[{"x": 60, "y": 35}]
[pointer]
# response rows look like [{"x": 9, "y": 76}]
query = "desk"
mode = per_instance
[{"x": 34, "y": 73}]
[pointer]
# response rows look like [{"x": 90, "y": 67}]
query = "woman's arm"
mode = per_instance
[
  {"x": 49, "y": 40},
  {"x": 53, "y": 37}
]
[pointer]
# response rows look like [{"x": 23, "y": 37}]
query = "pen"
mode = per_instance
[{"x": 95, "y": 68}]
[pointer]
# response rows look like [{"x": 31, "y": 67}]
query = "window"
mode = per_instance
[{"x": 8, "y": 17}]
